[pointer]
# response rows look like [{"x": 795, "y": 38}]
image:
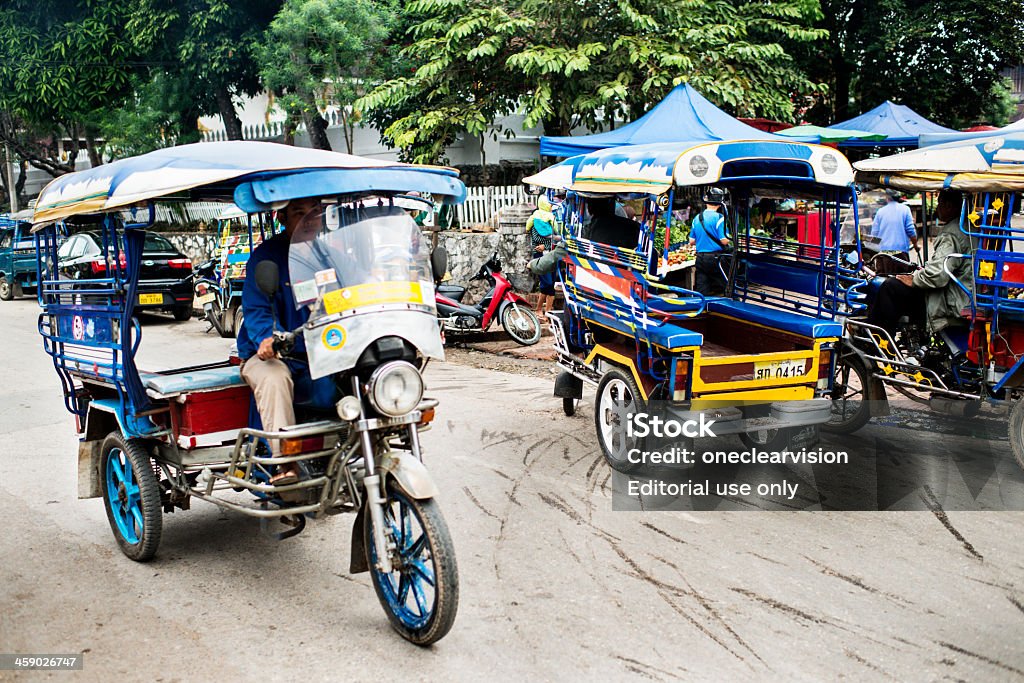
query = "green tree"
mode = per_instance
[
  {"x": 941, "y": 57},
  {"x": 317, "y": 53},
  {"x": 566, "y": 64},
  {"x": 62, "y": 61}
]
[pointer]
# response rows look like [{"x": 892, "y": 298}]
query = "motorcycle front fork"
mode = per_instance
[{"x": 375, "y": 498}]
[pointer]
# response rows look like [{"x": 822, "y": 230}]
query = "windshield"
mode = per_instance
[{"x": 345, "y": 258}]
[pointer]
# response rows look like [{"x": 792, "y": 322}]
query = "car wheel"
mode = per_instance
[
  {"x": 6, "y": 290},
  {"x": 182, "y": 313}
]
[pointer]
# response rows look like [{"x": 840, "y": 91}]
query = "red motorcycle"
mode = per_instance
[{"x": 500, "y": 301}]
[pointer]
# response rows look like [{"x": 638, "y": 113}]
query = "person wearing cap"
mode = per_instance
[
  {"x": 708, "y": 233},
  {"x": 894, "y": 225}
]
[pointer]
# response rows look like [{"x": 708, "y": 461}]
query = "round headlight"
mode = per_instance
[{"x": 395, "y": 388}]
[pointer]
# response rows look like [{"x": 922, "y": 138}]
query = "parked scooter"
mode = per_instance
[
  {"x": 501, "y": 301},
  {"x": 210, "y": 295}
]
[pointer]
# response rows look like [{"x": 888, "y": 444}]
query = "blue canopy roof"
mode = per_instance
[
  {"x": 683, "y": 116},
  {"x": 901, "y": 125}
]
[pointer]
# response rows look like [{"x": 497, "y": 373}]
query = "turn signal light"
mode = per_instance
[
  {"x": 824, "y": 363},
  {"x": 682, "y": 377},
  {"x": 297, "y": 446},
  {"x": 427, "y": 416}
]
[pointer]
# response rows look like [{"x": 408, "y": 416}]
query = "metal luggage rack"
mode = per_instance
[{"x": 566, "y": 359}]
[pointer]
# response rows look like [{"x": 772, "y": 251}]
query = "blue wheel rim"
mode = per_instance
[
  {"x": 410, "y": 589},
  {"x": 125, "y": 496}
]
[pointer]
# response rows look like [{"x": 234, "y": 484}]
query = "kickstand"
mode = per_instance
[{"x": 296, "y": 522}]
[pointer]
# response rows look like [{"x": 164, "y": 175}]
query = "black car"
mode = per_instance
[{"x": 164, "y": 282}]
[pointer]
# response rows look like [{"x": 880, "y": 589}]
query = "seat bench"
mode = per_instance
[
  {"x": 173, "y": 382},
  {"x": 803, "y": 325}
]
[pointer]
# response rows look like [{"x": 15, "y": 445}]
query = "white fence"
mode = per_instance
[{"x": 482, "y": 203}]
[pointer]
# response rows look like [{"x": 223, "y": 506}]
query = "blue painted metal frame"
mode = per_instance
[{"x": 88, "y": 326}]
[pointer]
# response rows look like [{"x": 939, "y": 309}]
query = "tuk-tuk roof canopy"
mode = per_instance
[
  {"x": 990, "y": 164},
  {"x": 256, "y": 175},
  {"x": 655, "y": 168}
]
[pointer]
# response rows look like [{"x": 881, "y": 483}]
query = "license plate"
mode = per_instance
[
  {"x": 780, "y": 369},
  {"x": 206, "y": 298},
  {"x": 150, "y": 299}
]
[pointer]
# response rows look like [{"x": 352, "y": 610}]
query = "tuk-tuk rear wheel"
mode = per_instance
[
  {"x": 851, "y": 409},
  {"x": 6, "y": 290},
  {"x": 617, "y": 397},
  {"x": 131, "y": 495},
  {"x": 237, "y": 318}
]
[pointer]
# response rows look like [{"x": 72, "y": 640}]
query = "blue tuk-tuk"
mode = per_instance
[
  {"x": 153, "y": 441},
  {"x": 763, "y": 352}
]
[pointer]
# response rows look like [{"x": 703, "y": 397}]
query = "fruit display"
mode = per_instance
[{"x": 681, "y": 255}]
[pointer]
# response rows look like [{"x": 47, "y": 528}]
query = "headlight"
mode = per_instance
[{"x": 395, "y": 388}]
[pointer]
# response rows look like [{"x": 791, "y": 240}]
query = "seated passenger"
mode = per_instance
[
  {"x": 928, "y": 295},
  {"x": 608, "y": 228}
]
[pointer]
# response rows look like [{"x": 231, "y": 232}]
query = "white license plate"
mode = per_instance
[
  {"x": 780, "y": 369},
  {"x": 206, "y": 298},
  {"x": 150, "y": 299}
]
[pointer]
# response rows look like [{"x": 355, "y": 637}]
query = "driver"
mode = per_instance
[
  {"x": 929, "y": 294},
  {"x": 269, "y": 376}
]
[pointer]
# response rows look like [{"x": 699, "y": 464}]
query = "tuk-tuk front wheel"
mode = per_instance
[
  {"x": 6, "y": 289},
  {"x": 1017, "y": 431},
  {"x": 617, "y": 398},
  {"x": 421, "y": 594},
  {"x": 131, "y": 494}
]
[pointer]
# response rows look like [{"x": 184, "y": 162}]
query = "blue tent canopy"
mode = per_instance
[
  {"x": 683, "y": 116},
  {"x": 901, "y": 125}
]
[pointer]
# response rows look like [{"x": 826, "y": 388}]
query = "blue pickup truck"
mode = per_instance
[{"x": 17, "y": 257}]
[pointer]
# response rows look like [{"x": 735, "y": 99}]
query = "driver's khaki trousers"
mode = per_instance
[{"x": 271, "y": 383}]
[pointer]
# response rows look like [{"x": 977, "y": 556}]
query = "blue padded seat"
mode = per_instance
[
  {"x": 671, "y": 337},
  {"x": 172, "y": 382},
  {"x": 803, "y": 325}
]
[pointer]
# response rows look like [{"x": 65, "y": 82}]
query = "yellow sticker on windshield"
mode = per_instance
[{"x": 373, "y": 294}]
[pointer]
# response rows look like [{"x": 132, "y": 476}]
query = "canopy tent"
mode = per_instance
[
  {"x": 994, "y": 163},
  {"x": 957, "y": 136},
  {"x": 257, "y": 175},
  {"x": 901, "y": 126},
  {"x": 684, "y": 115},
  {"x": 810, "y": 133}
]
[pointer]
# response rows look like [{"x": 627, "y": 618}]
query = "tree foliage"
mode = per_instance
[
  {"x": 585, "y": 62},
  {"x": 320, "y": 52},
  {"x": 941, "y": 57}
]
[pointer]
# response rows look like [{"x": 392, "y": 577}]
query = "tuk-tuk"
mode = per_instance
[
  {"x": 218, "y": 288},
  {"x": 762, "y": 353},
  {"x": 153, "y": 441},
  {"x": 980, "y": 357},
  {"x": 17, "y": 256}
]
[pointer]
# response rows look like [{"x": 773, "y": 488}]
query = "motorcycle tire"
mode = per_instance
[
  {"x": 521, "y": 324},
  {"x": 617, "y": 397},
  {"x": 237, "y": 318},
  {"x": 424, "y": 555},
  {"x": 850, "y": 383},
  {"x": 569, "y": 405},
  {"x": 131, "y": 495}
]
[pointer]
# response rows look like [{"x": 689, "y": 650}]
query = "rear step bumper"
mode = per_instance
[{"x": 781, "y": 415}]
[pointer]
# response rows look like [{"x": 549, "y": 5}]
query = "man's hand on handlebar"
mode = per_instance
[{"x": 266, "y": 350}]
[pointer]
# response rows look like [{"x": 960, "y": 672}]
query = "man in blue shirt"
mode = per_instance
[
  {"x": 708, "y": 233},
  {"x": 894, "y": 224},
  {"x": 269, "y": 376}
]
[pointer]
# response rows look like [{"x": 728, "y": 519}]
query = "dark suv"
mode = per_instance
[{"x": 164, "y": 278}]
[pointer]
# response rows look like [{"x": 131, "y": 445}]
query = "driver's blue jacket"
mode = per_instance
[{"x": 263, "y": 316}]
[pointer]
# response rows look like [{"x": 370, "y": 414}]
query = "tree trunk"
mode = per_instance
[
  {"x": 348, "y": 129},
  {"x": 90, "y": 147},
  {"x": 841, "y": 99},
  {"x": 317, "y": 129},
  {"x": 232, "y": 124}
]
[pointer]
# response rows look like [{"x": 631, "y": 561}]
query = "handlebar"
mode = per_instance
[{"x": 284, "y": 342}]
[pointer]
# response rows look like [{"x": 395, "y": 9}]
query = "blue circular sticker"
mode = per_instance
[{"x": 333, "y": 337}]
